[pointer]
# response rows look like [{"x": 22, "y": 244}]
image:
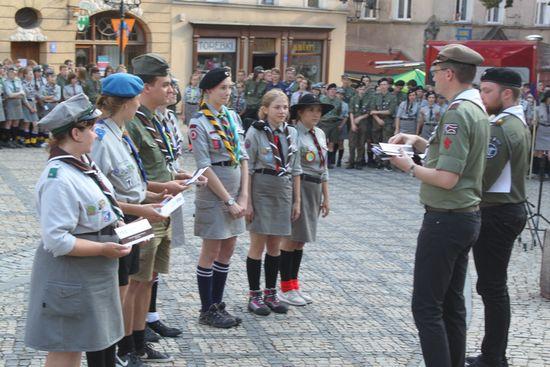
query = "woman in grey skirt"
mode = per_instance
[
  {"x": 542, "y": 137},
  {"x": 274, "y": 197},
  {"x": 312, "y": 150},
  {"x": 30, "y": 112},
  {"x": 74, "y": 303},
  {"x": 14, "y": 95},
  {"x": 407, "y": 114},
  {"x": 216, "y": 134},
  {"x": 428, "y": 117},
  {"x": 191, "y": 98}
]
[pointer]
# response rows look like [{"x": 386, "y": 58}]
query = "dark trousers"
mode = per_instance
[
  {"x": 500, "y": 226},
  {"x": 439, "y": 275}
]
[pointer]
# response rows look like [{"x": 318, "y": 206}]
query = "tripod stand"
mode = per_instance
[{"x": 533, "y": 219}]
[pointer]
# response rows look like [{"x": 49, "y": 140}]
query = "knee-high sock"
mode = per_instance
[
  {"x": 204, "y": 280},
  {"x": 253, "y": 271},
  {"x": 218, "y": 280},
  {"x": 271, "y": 269},
  {"x": 285, "y": 269}
]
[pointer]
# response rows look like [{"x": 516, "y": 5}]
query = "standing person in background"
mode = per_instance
[
  {"x": 3, "y": 143},
  {"x": 50, "y": 94},
  {"x": 429, "y": 117},
  {"x": 400, "y": 96},
  {"x": 38, "y": 82},
  {"x": 442, "y": 104},
  {"x": 542, "y": 137},
  {"x": 359, "y": 113},
  {"x": 14, "y": 96},
  {"x": 342, "y": 127},
  {"x": 92, "y": 88},
  {"x": 121, "y": 69},
  {"x": 239, "y": 103},
  {"x": 191, "y": 98},
  {"x": 303, "y": 89},
  {"x": 254, "y": 89},
  {"x": 291, "y": 81},
  {"x": 276, "y": 82},
  {"x": 273, "y": 197},
  {"x": 73, "y": 87},
  {"x": 383, "y": 107},
  {"x": 407, "y": 115},
  {"x": 314, "y": 195},
  {"x": 349, "y": 91},
  {"x": 30, "y": 115},
  {"x": 108, "y": 71},
  {"x": 62, "y": 78},
  {"x": 330, "y": 123}
]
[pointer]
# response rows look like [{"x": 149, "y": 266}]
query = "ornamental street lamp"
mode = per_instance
[{"x": 123, "y": 6}]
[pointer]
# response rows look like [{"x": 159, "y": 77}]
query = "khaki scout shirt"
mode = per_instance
[
  {"x": 507, "y": 158},
  {"x": 208, "y": 146},
  {"x": 459, "y": 145},
  {"x": 336, "y": 113},
  {"x": 114, "y": 157},
  {"x": 154, "y": 160},
  {"x": 357, "y": 105},
  {"x": 260, "y": 152},
  {"x": 384, "y": 102},
  {"x": 309, "y": 154},
  {"x": 254, "y": 92}
]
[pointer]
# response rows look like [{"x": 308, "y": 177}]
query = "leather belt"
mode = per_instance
[
  {"x": 106, "y": 231},
  {"x": 469, "y": 209},
  {"x": 311, "y": 178},
  {"x": 223, "y": 164},
  {"x": 268, "y": 171}
]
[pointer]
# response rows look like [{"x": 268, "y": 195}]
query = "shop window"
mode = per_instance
[
  {"x": 216, "y": 52},
  {"x": 307, "y": 58},
  {"x": 463, "y": 11},
  {"x": 369, "y": 9}
]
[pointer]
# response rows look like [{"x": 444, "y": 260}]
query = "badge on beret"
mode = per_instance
[
  {"x": 193, "y": 135},
  {"x": 492, "y": 151},
  {"x": 310, "y": 156},
  {"x": 450, "y": 129},
  {"x": 100, "y": 133},
  {"x": 247, "y": 144},
  {"x": 447, "y": 143}
]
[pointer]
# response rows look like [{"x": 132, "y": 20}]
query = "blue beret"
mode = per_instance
[{"x": 121, "y": 85}]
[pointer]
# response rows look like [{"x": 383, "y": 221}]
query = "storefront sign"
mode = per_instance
[
  {"x": 463, "y": 34},
  {"x": 306, "y": 47},
  {"x": 217, "y": 45}
]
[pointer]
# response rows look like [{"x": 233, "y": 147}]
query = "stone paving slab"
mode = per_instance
[{"x": 359, "y": 272}]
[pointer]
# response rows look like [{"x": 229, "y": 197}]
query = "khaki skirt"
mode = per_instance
[
  {"x": 212, "y": 218},
  {"x": 29, "y": 116},
  {"x": 14, "y": 109},
  {"x": 305, "y": 228},
  {"x": 272, "y": 202}
]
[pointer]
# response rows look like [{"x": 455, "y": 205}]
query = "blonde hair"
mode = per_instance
[
  {"x": 110, "y": 105},
  {"x": 267, "y": 100}
]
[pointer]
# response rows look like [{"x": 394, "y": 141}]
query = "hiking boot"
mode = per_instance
[
  {"x": 256, "y": 304},
  {"x": 163, "y": 330},
  {"x": 223, "y": 311},
  {"x": 273, "y": 302},
  {"x": 212, "y": 317}
]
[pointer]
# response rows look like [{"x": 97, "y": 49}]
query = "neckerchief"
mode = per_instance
[
  {"x": 226, "y": 132},
  {"x": 318, "y": 146},
  {"x": 281, "y": 164},
  {"x": 135, "y": 154},
  {"x": 89, "y": 168},
  {"x": 169, "y": 122},
  {"x": 158, "y": 135}
]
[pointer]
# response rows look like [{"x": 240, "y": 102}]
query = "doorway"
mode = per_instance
[
  {"x": 267, "y": 61},
  {"x": 25, "y": 51}
]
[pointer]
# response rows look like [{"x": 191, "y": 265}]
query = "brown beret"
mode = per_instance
[{"x": 457, "y": 53}]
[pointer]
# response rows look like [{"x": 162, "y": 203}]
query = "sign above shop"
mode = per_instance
[{"x": 218, "y": 45}]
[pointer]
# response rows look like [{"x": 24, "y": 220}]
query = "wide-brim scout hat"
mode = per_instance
[
  {"x": 460, "y": 54},
  {"x": 309, "y": 100},
  {"x": 67, "y": 113}
]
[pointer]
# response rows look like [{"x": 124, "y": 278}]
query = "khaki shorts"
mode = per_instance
[{"x": 154, "y": 255}]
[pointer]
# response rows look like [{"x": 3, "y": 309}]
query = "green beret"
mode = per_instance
[{"x": 150, "y": 64}]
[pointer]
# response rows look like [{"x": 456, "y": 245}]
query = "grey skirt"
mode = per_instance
[
  {"x": 2, "y": 114},
  {"x": 74, "y": 302},
  {"x": 542, "y": 141},
  {"x": 305, "y": 228},
  {"x": 28, "y": 116},
  {"x": 14, "y": 109},
  {"x": 407, "y": 126},
  {"x": 190, "y": 110},
  {"x": 212, "y": 219},
  {"x": 272, "y": 203},
  {"x": 427, "y": 131}
]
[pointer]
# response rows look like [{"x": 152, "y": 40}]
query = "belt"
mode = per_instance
[
  {"x": 194, "y": 104},
  {"x": 500, "y": 205},
  {"x": 268, "y": 171},
  {"x": 311, "y": 178},
  {"x": 469, "y": 209},
  {"x": 30, "y": 99},
  {"x": 106, "y": 231},
  {"x": 223, "y": 163},
  {"x": 406, "y": 119}
]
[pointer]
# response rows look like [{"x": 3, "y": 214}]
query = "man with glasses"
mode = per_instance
[{"x": 450, "y": 192}]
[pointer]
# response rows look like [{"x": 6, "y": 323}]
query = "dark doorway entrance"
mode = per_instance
[
  {"x": 25, "y": 50},
  {"x": 267, "y": 61}
]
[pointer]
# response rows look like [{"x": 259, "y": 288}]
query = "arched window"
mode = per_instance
[{"x": 98, "y": 44}]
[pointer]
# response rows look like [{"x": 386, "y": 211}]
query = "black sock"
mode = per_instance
[
  {"x": 126, "y": 345},
  {"x": 340, "y": 155},
  {"x": 204, "y": 280},
  {"x": 370, "y": 156},
  {"x": 218, "y": 281},
  {"x": 536, "y": 165},
  {"x": 253, "y": 271},
  {"x": 286, "y": 265},
  {"x": 4, "y": 134},
  {"x": 271, "y": 269},
  {"x": 101, "y": 358},
  {"x": 331, "y": 156},
  {"x": 139, "y": 340},
  {"x": 296, "y": 261},
  {"x": 154, "y": 289},
  {"x": 14, "y": 132}
]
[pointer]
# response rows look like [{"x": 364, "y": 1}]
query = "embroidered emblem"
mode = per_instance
[
  {"x": 263, "y": 150},
  {"x": 492, "y": 151},
  {"x": 52, "y": 173},
  {"x": 193, "y": 135},
  {"x": 310, "y": 156},
  {"x": 106, "y": 216},
  {"x": 91, "y": 210},
  {"x": 247, "y": 144},
  {"x": 450, "y": 129},
  {"x": 101, "y": 204},
  {"x": 217, "y": 144},
  {"x": 100, "y": 133},
  {"x": 447, "y": 143}
]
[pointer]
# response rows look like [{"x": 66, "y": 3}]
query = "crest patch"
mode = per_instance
[
  {"x": 450, "y": 129},
  {"x": 447, "y": 143}
]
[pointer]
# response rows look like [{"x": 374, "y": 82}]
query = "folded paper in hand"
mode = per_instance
[
  {"x": 385, "y": 151},
  {"x": 135, "y": 232},
  {"x": 171, "y": 205},
  {"x": 196, "y": 176}
]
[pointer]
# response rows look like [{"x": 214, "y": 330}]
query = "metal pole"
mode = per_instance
[{"x": 121, "y": 30}]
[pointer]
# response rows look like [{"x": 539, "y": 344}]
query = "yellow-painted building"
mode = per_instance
[{"x": 307, "y": 34}]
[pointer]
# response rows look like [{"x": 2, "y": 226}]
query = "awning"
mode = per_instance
[{"x": 362, "y": 62}]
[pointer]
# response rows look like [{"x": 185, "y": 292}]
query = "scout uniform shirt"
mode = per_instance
[
  {"x": 70, "y": 203},
  {"x": 349, "y": 93},
  {"x": 384, "y": 102},
  {"x": 50, "y": 90},
  {"x": 358, "y": 106},
  {"x": 507, "y": 158},
  {"x": 400, "y": 97},
  {"x": 208, "y": 146},
  {"x": 459, "y": 145},
  {"x": 260, "y": 151},
  {"x": 254, "y": 92},
  {"x": 157, "y": 163},
  {"x": 313, "y": 156},
  {"x": 334, "y": 114},
  {"x": 92, "y": 88},
  {"x": 113, "y": 154}
]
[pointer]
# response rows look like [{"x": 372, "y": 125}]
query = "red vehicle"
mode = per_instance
[{"x": 529, "y": 58}]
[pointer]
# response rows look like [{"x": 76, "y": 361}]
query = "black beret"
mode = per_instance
[
  {"x": 383, "y": 80},
  {"x": 400, "y": 83},
  {"x": 331, "y": 85},
  {"x": 213, "y": 78},
  {"x": 502, "y": 76}
]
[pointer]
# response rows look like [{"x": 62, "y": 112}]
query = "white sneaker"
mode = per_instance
[
  {"x": 305, "y": 297},
  {"x": 292, "y": 298}
]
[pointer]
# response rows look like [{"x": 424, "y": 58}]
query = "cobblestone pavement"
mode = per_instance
[{"x": 359, "y": 272}]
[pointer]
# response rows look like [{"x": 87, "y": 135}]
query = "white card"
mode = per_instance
[
  {"x": 196, "y": 176},
  {"x": 135, "y": 232},
  {"x": 171, "y": 205}
]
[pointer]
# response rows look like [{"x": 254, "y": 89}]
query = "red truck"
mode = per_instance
[{"x": 529, "y": 58}]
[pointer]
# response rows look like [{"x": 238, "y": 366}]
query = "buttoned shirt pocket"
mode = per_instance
[
  {"x": 216, "y": 142},
  {"x": 266, "y": 154}
]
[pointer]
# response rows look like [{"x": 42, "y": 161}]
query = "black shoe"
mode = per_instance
[
  {"x": 214, "y": 318},
  {"x": 223, "y": 311},
  {"x": 129, "y": 360},
  {"x": 478, "y": 362},
  {"x": 339, "y": 164},
  {"x": 350, "y": 166},
  {"x": 330, "y": 166},
  {"x": 150, "y": 335},
  {"x": 358, "y": 166},
  {"x": 150, "y": 354},
  {"x": 163, "y": 330}
]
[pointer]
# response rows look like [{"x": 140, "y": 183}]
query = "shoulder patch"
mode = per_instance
[
  {"x": 454, "y": 105},
  {"x": 450, "y": 129},
  {"x": 52, "y": 173},
  {"x": 100, "y": 133}
]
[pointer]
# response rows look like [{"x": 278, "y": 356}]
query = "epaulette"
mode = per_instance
[{"x": 454, "y": 105}]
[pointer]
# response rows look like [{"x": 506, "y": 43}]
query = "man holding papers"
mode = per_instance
[
  {"x": 503, "y": 213},
  {"x": 451, "y": 193}
]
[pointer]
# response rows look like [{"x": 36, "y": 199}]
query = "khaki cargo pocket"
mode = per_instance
[{"x": 62, "y": 299}]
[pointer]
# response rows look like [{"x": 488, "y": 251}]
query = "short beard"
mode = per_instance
[{"x": 496, "y": 109}]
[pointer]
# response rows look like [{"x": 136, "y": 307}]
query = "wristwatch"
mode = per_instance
[
  {"x": 411, "y": 170},
  {"x": 230, "y": 202}
]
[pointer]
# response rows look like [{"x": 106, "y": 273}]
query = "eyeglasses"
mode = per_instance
[{"x": 433, "y": 71}]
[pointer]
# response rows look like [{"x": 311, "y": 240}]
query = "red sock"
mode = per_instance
[
  {"x": 295, "y": 285},
  {"x": 286, "y": 285}
]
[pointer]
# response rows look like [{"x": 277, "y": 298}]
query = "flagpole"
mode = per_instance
[{"x": 121, "y": 36}]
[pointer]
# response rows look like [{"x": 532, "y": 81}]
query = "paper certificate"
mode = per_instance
[
  {"x": 196, "y": 176},
  {"x": 171, "y": 205},
  {"x": 385, "y": 151},
  {"x": 135, "y": 232}
]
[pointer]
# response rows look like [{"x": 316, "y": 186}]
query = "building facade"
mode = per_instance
[
  {"x": 404, "y": 25},
  {"x": 307, "y": 34}
]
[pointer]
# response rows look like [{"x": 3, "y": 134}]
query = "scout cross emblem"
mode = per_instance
[{"x": 82, "y": 23}]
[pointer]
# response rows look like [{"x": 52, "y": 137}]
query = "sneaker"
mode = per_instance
[
  {"x": 150, "y": 354},
  {"x": 214, "y": 318},
  {"x": 129, "y": 360},
  {"x": 305, "y": 297},
  {"x": 223, "y": 311},
  {"x": 273, "y": 302},
  {"x": 163, "y": 330},
  {"x": 292, "y": 298},
  {"x": 478, "y": 362},
  {"x": 151, "y": 336},
  {"x": 256, "y": 304}
]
